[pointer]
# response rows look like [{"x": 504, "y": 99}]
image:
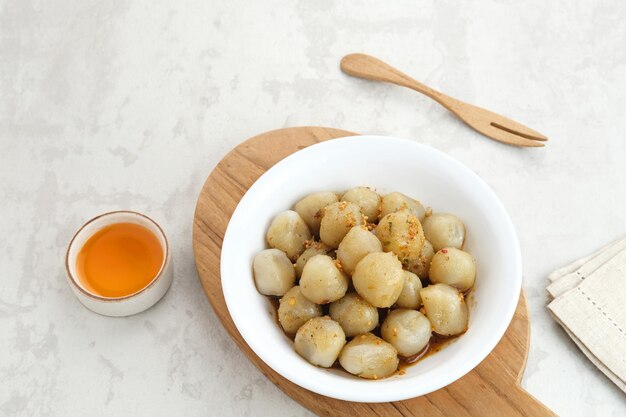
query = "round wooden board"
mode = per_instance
[{"x": 491, "y": 389}]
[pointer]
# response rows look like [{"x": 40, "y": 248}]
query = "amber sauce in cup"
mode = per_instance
[{"x": 119, "y": 260}]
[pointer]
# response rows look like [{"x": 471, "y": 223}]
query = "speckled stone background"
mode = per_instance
[{"x": 130, "y": 104}]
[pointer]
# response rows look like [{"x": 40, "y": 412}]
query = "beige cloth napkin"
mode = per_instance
[{"x": 590, "y": 303}]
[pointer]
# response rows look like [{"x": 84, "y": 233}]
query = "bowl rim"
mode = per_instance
[
  {"x": 75, "y": 282},
  {"x": 401, "y": 391}
]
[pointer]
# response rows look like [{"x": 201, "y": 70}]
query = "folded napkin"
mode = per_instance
[{"x": 589, "y": 301}]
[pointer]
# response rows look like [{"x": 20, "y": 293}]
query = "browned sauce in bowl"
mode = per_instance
[{"x": 436, "y": 343}]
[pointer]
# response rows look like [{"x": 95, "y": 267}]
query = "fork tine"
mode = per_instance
[
  {"x": 514, "y": 127},
  {"x": 495, "y": 126},
  {"x": 509, "y": 138}
]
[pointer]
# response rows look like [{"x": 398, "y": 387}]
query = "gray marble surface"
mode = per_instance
[{"x": 130, "y": 104}]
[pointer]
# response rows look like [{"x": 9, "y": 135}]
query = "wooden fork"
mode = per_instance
[{"x": 483, "y": 121}]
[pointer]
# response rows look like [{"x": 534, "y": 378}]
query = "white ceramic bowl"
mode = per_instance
[
  {"x": 132, "y": 303},
  {"x": 387, "y": 164}
]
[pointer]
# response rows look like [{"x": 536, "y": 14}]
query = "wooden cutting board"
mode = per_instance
[{"x": 491, "y": 389}]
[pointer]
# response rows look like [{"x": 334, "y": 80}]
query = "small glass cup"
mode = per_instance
[{"x": 129, "y": 304}]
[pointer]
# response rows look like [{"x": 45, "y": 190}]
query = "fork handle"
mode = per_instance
[{"x": 368, "y": 67}]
